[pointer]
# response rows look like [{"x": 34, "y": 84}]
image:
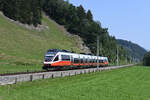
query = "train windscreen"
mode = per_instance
[{"x": 49, "y": 56}]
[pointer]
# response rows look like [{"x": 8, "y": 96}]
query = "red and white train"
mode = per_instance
[{"x": 63, "y": 59}]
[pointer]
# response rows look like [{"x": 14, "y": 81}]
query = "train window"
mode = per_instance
[
  {"x": 48, "y": 58},
  {"x": 65, "y": 57},
  {"x": 105, "y": 60},
  {"x": 81, "y": 60},
  {"x": 93, "y": 60},
  {"x": 86, "y": 60},
  {"x": 100, "y": 61},
  {"x": 76, "y": 60},
  {"x": 89, "y": 60},
  {"x": 56, "y": 59},
  {"x": 97, "y": 61}
]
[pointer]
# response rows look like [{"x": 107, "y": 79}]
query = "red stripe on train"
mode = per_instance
[{"x": 68, "y": 63}]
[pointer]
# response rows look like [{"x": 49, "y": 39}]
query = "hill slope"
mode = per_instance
[
  {"x": 134, "y": 50},
  {"x": 22, "y": 46}
]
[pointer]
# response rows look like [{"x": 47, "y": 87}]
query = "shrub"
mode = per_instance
[{"x": 146, "y": 59}]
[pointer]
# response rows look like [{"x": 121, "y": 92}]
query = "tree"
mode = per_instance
[
  {"x": 1, "y": 4},
  {"x": 146, "y": 59},
  {"x": 81, "y": 12},
  {"x": 89, "y": 16},
  {"x": 36, "y": 11}
]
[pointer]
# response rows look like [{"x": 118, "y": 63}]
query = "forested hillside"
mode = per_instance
[
  {"x": 76, "y": 20},
  {"x": 134, "y": 50},
  {"x": 25, "y": 11}
]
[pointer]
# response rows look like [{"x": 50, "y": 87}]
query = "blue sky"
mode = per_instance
[{"x": 125, "y": 19}]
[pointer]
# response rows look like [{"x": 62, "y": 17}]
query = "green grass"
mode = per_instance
[
  {"x": 121, "y": 84},
  {"x": 22, "y": 68},
  {"x": 20, "y": 46}
]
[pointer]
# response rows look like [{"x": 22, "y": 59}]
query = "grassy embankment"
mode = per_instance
[
  {"x": 121, "y": 84},
  {"x": 22, "y": 49}
]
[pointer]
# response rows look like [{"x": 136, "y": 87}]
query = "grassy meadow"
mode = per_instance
[
  {"x": 132, "y": 83},
  {"x": 22, "y": 48}
]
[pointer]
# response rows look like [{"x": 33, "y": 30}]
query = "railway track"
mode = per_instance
[
  {"x": 13, "y": 78},
  {"x": 41, "y": 71}
]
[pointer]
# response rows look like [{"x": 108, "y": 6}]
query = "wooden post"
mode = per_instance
[
  {"x": 61, "y": 74},
  {"x": 15, "y": 80},
  {"x": 84, "y": 71},
  {"x": 80, "y": 72},
  {"x": 43, "y": 76},
  {"x": 52, "y": 76},
  {"x": 31, "y": 78}
]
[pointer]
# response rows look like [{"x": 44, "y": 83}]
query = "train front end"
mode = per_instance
[{"x": 48, "y": 58}]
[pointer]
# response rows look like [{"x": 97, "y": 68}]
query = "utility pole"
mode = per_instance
[
  {"x": 97, "y": 51},
  {"x": 126, "y": 59},
  {"x": 130, "y": 59},
  {"x": 101, "y": 54},
  {"x": 117, "y": 56}
]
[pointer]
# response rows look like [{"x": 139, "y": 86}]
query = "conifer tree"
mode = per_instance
[{"x": 89, "y": 15}]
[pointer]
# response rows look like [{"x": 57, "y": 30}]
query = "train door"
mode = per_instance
[
  {"x": 56, "y": 59},
  {"x": 88, "y": 61},
  {"x": 72, "y": 60},
  {"x": 84, "y": 61},
  {"x": 79, "y": 60}
]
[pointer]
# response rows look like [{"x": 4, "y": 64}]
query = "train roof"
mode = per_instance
[
  {"x": 81, "y": 55},
  {"x": 73, "y": 53},
  {"x": 66, "y": 51}
]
